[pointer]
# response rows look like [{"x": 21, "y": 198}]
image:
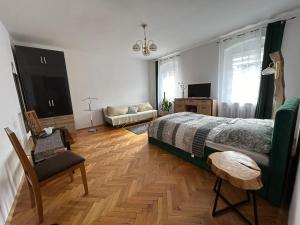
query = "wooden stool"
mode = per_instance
[{"x": 240, "y": 171}]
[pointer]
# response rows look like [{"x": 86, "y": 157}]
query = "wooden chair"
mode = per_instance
[
  {"x": 34, "y": 123},
  {"x": 37, "y": 129},
  {"x": 42, "y": 173}
]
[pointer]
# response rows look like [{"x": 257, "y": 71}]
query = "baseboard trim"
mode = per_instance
[{"x": 13, "y": 207}]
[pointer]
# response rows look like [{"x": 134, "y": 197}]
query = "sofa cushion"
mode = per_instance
[
  {"x": 116, "y": 110},
  {"x": 131, "y": 118},
  {"x": 145, "y": 107},
  {"x": 132, "y": 109}
]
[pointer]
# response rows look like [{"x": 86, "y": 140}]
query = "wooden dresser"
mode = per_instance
[{"x": 205, "y": 106}]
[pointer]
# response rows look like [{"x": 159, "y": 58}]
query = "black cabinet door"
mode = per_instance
[
  {"x": 30, "y": 59},
  {"x": 50, "y": 96},
  {"x": 54, "y": 63},
  {"x": 28, "y": 91},
  {"x": 40, "y": 100},
  {"x": 41, "y": 61},
  {"x": 59, "y": 96}
]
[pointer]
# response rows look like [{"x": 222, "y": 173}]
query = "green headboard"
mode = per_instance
[{"x": 282, "y": 141}]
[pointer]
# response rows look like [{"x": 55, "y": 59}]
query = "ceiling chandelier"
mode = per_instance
[{"x": 145, "y": 46}]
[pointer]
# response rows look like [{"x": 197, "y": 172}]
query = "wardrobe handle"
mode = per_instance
[
  {"x": 52, "y": 102},
  {"x": 45, "y": 60},
  {"x": 41, "y": 59},
  {"x": 49, "y": 103}
]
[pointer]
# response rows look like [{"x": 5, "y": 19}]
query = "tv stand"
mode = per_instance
[{"x": 206, "y": 106}]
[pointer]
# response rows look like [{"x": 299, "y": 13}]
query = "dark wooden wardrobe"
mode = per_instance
[{"x": 45, "y": 86}]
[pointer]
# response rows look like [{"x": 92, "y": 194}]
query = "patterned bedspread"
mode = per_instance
[{"x": 189, "y": 131}]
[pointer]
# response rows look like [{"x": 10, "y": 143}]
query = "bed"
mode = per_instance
[{"x": 194, "y": 136}]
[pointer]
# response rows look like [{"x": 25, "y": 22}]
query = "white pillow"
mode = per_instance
[
  {"x": 132, "y": 109},
  {"x": 144, "y": 107},
  {"x": 117, "y": 110}
]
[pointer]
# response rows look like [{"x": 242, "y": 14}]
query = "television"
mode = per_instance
[{"x": 199, "y": 90}]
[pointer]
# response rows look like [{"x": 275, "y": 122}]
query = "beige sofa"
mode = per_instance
[{"x": 123, "y": 115}]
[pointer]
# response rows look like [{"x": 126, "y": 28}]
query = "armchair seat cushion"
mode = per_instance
[{"x": 57, "y": 164}]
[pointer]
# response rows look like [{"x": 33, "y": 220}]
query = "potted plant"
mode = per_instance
[{"x": 166, "y": 105}]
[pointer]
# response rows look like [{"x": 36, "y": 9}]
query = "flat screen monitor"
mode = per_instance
[{"x": 199, "y": 90}]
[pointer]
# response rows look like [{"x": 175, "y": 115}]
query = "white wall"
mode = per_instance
[
  {"x": 291, "y": 53},
  {"x": 115, "y": 79},
  {"x": 200, "y": 65},
  {"x": 10, "y": 116}
]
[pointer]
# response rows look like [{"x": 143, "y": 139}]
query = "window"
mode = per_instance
[
  {"x": 168, "y": 71},
  {"x": 245, "y": 78},
  {"x": 239, "y": 74}
]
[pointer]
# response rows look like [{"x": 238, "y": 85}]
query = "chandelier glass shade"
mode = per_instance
[{"x": 146, "y": 46}]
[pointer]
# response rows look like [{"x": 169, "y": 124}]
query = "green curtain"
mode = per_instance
[{"x": 273, "y": 43}]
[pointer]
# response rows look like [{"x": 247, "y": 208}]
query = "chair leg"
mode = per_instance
[
  {"x": 32, "y": 201},
  {"x": 84, "y": 181},
  {"x": 71, "y": 176},
  {"x": 39, "y": 203}
]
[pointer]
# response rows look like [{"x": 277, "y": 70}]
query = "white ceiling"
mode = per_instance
[{"x": 113, "y": 25}]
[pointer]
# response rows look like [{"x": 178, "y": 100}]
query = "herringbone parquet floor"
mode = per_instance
[{"x": 133, "y": 182}]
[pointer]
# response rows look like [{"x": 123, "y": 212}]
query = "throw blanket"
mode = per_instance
[
  {"x": 48, "y": 147},
  {"x": 189, "y": 131}
]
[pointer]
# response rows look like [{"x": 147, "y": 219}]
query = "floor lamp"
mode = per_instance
[{"x": 90, "y": 100}]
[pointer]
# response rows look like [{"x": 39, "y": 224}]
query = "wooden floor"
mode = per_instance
[{"x": 133, "y": 182}]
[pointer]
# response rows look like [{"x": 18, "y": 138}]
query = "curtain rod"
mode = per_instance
[
  {"x": 289, "y": 16},
  {"x": 169, "y": 56},
  {"x": 260, "y": 25},
  {"x": 240, "y": 34}
]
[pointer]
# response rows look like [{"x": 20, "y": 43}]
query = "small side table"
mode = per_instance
[{"x": 240, "y": 171}]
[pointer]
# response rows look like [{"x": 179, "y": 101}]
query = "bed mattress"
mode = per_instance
[
  {"x": 260, "y": 158},
  {"x": 190, "y": 131}
]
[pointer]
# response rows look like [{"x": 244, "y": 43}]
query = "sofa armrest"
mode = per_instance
[{"x": 104, "y": 111}]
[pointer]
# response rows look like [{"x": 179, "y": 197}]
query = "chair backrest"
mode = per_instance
[
  {"x": 33, "y": 122},
  {"x": 28, "y": 169}
]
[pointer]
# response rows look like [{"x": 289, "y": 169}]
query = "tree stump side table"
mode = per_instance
[{"x": 240, "y": 171}]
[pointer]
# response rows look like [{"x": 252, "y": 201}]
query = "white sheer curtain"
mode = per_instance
[
  {"x": 168, "y": 75},
  {"x": 240, "y": 60}
]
